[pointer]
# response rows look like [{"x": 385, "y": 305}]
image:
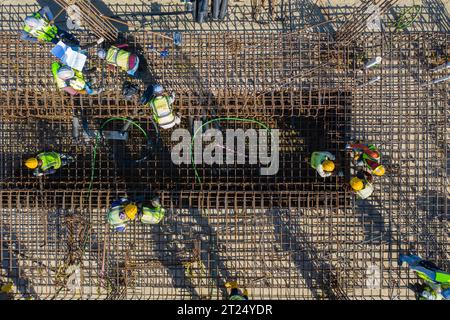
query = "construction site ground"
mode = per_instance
[{"x": 289, "y": 236}]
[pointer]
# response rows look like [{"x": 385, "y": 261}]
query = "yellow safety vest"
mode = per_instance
[
  {"x": 46, "y": 33},
  {"x": 78, "y": 82},
  {"x": 162, "y": 112},
  {"x": 118, "y": 57},
  {"x": 59, "y": 82}
]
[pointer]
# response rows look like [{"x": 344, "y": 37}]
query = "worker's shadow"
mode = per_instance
[
  {"x": 170, "y": 256},
  {"x": 10, "y": 261},
  {"x": 315, "y": 271},
  {"x": 372, "y": 221}
]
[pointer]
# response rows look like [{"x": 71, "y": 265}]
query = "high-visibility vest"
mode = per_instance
[
  {"x": 118, "y": 57},
  {"x": 442, "y": 277},
  {"x": 114, "y": 219},
  {"x": 317, "y": 158},
  {"x": 78, "y": 82},
  {"x": 237, "y": 297},
  {"x": 162, "y": 111},
  {"x": 45, "y": 33},
  {"x": 152, "y": 215},
  {"x": 49, "y": 160},
  {"x": 59, "y": 82}
]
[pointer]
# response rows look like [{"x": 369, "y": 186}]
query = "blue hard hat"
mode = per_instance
[{"x": 157, "y": 89}]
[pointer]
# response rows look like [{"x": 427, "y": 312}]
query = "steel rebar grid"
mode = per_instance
[{"x": 407, "y": 212}]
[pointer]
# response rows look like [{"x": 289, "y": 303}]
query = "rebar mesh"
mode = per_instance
[{"x": 289, "y": 236}]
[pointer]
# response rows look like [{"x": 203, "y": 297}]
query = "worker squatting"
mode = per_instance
[
  {"x": 365, "y": 157},
  {"x": 123, "y": 211}
]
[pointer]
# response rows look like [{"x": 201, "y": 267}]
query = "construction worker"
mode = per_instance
[
  {"x": 362, "y": 185},
  {"x": 39, "y": 27},
  {"x": 368, "y": 156},
  {"x": 322, "y": 161},
  {"x": 46, "y": 163},
  {"x": 121, "y": 212},
  {"x": 236, "y": 293},
  {"x": 425, "y": 269},
  {"x": 119, "y": 57},
  {"x": 431, "y": 291},
  {"x": 153, "y": 214},
  {"x": 71, "y": 80},
  {"x": 161, "y": 106}
]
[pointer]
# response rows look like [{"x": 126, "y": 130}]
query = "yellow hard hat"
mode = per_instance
[
  {"x": 131, "y": 211},
  {"x": 379, "y": 171},
  {"x": 231, "y": 284},
  {"x": 328, "y": 165},
  {"x": 356, "y": 184},
  {"x": 32, "y": 163}
]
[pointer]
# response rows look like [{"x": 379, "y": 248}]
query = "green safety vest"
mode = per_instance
[
  {"x": 365, "y": 156},
  {"x": 49, "y": 160},
  {"x": 237, "y": 297},
  {"x": 152, "y": 215},
  {"x": 59, "y": 83},
  {"x": 77, "y": 82},
  {"x": 46, "y": 33},
  {"x": 113, "y": 217},
  {"x": 442, "y": 277},
  {"x": 118, "y": 57},
  {"x": 317, "y": 158},
  {"x": 162, "y": 112}
]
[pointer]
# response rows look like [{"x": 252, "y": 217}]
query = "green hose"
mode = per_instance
[
  {"x": 218, "y": 120},
  {"x": 407, "y": 18},
  {"x": 97, "y": 140}
]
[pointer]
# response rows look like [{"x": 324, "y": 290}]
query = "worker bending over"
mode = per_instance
[
  {"x": 322, "y": 162},
  {"x": 46, "y": 163},
  {"x": 368, "y": 156},
  {"x": 362, "y": 185},
  {"x": 161, "y": 106},
  {"x": 122, "y": 211},
  {"x": 39, "y": 26},
  {"x": 153, "y": 214},
  {"x": 72, "y": 81},
  {"x": 234, "y": 292},
  {"x": 425, "y": 269},
  {"x": 119, "y": 57}
]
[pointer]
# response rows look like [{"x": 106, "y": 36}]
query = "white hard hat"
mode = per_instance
[
  {"x": 101, "y": 53},
  {"x": 65, "y": 73},
  {"x": 32, "y": 22},
  {"x": 155, "y": 202},
  {"x": 157, "y": 89}
]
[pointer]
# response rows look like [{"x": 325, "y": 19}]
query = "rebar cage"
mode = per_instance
[{"x": 293, "y": 235}]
